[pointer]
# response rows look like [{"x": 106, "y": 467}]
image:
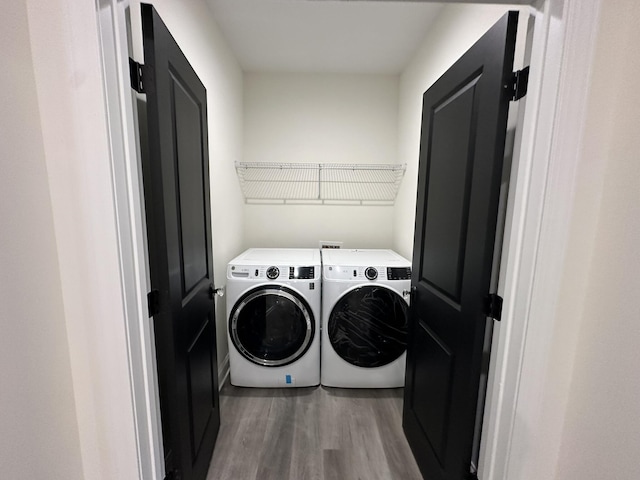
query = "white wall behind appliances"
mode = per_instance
[
  {"x": 334, "y": 118},
  {"x": 456, "y": 29},
  {"x": 37, "y": 409},
  {"x": 293, "y": 226},
  {"x": 192, "y": 25},
  {"x": 319, "y": 118}
]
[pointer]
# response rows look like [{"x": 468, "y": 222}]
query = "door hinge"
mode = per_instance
[
  {"x": 493, "y": 306},
  {"x": 153, "y": 302},
  {"x": 518, "y": 85},
  {"x": 136, "y": 73}
]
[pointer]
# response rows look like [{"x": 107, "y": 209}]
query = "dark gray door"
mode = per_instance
[
  {"x": 176, "y": 188},
  {"x": 464, "y": 123}
]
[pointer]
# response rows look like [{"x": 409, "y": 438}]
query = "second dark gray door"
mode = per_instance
[
  {"x": 178, "y": 211},
  {"x": 461, "y": 153}
]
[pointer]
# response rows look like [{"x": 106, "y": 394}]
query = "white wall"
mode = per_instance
[
  {"x": 70, "y": 95},
  {"x": 304, "y": 225},
  {"x": 319, "y": 118},
  {"x": 192, "y": 25},
  {"x": 37, "y": 409},
  {"x": 601, "y": 436},
  {"x": 454, "y": 31}
]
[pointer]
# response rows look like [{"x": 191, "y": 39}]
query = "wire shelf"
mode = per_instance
[{"x": 325, "y": 183}]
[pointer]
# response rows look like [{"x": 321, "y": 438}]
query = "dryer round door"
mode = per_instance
[
  {"x": 272, "y": 326},
  {"x": 368, "y": 326}
]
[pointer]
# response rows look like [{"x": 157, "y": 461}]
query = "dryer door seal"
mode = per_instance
[
  {"x": 368, "y": 326},
  {"x": 272, "y": 326}
]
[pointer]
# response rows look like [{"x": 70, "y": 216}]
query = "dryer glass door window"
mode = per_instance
[
  {"x": 368, "y": 326},
  {"x": 272, "y": 326}
]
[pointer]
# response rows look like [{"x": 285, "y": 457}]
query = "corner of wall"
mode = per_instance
[
  {"x": 456, "y": 29},
  {"x": 193, "y": 25}
]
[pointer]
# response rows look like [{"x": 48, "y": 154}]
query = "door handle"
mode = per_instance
[
  {"x": 213, "y": 291},
  {"x": 410, "y": 293}
]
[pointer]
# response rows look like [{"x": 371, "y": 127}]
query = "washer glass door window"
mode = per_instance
[
  {"x": 368, "y": 326},
  {"x": 272, "y": 326}
]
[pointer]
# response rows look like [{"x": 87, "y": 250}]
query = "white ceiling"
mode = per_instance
[{"x": 324, "y": 36}]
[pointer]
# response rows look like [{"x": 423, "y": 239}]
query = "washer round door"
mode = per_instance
[
  {"x": 368, "y": 326},
  {"x": 272, "y": 326}
]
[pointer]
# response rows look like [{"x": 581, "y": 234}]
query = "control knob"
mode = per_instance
[
  {"x": 273, "y": 273},
  {"x": 371, "y": 273}
]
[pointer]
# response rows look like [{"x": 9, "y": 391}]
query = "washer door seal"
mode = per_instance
[{"x": 272, "y": 326}]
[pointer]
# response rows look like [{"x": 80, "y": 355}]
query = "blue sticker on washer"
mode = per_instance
[{"x": 287, "y": 379}]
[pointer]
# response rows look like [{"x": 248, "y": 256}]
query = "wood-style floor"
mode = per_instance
[{"x": 311, "y": 433}]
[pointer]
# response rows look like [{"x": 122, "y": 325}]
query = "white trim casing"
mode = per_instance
[
  {"x": 533, "y": 263},
  {"x": 130, "y": 221},
  {"x": 530, "y": 452},
  {"x": 523, "y": 214}
]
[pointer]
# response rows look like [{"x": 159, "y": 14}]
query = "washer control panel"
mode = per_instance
[
  {"x": 273, "y": 272},
  {"x": 301, "y": 273}
]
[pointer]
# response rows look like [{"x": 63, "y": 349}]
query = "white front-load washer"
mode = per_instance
[
  {"x": 365, "y": 297},
  {"x": 273, "y": 306}
]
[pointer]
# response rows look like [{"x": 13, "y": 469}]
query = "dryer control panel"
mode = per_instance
[
  {"x": 399, "y": 273},
  {"x": 370, "y": 273}
]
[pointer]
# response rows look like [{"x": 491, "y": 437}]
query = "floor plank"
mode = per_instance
[{"x": 312, "y": 433}]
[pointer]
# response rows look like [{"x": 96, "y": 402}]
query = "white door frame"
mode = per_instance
[
  {"x": 534, "y": 246},
  {"x": 120, "y": 98},
  {"x": 533, "y": 261}
]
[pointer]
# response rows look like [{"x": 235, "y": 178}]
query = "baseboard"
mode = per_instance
[{"x": 223, "y": 372}]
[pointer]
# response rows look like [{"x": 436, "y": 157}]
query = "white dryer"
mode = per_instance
[
  {"x": 273, "y": 305},
  {"x": 365, "y": 297}
]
